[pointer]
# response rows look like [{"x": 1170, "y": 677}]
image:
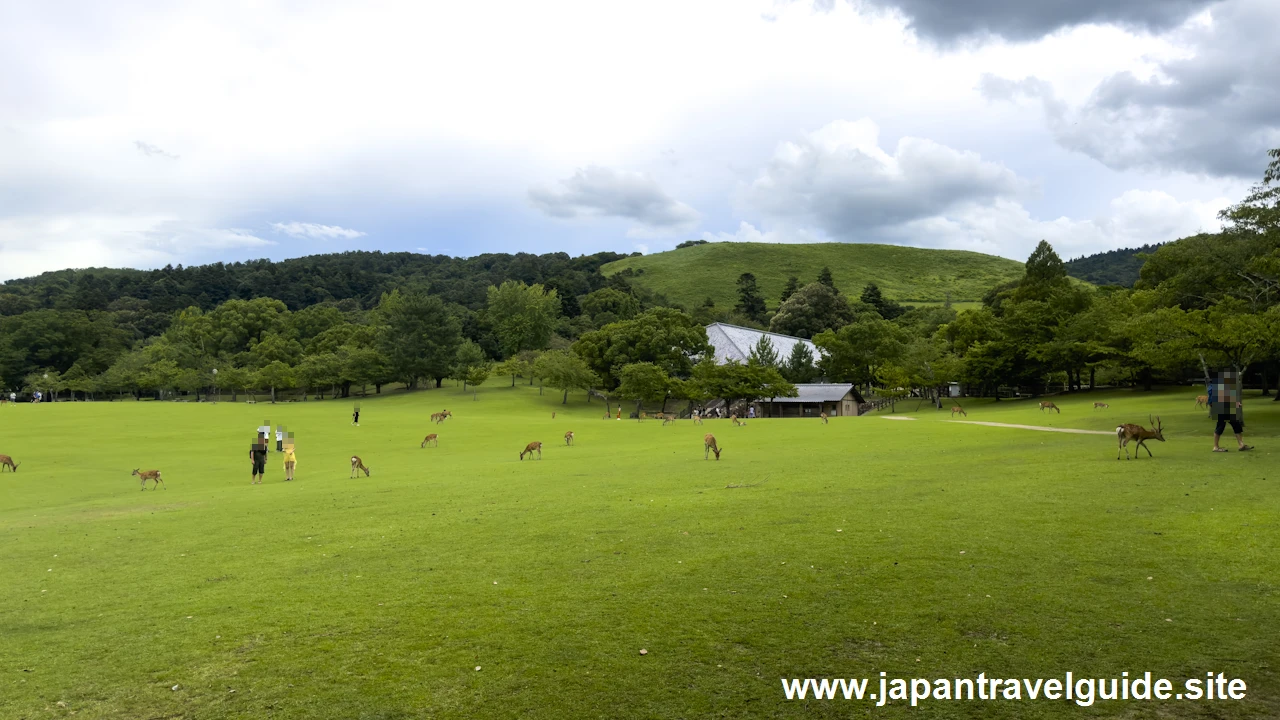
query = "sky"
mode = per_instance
[{"x": 142, "y": 133}]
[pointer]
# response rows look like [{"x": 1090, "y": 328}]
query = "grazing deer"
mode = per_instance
[
  {"x": 1098, "y": 405},
  {"x": 1046, "y": 405},
  {"x": 432, "y": 438},
  {"x": 668, "y": 419},
  {"x": 146, "y": 475},
  {"x": 530, "y": 449},
  {"x": 709, "y": 446},
  {"x": 358, "y": 464},
  {"x": 697, "y": 418},
  {"x": 958, "y": 409},
  {"x": 568, "y": 438},
  {"x": 1129, "y": 431},
  {"x": 7, "y": 462},
  {"x": 1202, "y": 401},
  {"x": 734, "y": 419},
  {"x": 823, "y": 416}
]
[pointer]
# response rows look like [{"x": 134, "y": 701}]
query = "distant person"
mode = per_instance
[
  {"x": 13, "y": 397},
  {"x": 1226, "y": 405},
  {"x": 258, "y": 456},
  {"x": 355, "y": 416},
  {"x": 265, "y": 431},
  {"x": 751, "y": 411},
  {"x": 279, "y": 438},
  {"x": 290, "y": 461}
]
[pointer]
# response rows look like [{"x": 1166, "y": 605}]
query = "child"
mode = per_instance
[{"x": 290, "y": 461}]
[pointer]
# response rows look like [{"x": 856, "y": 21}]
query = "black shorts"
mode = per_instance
[
  {"x": 1237, "y": 426},
  {"x": 260, "y": 466},
  {"x": 279, "y": 446}
]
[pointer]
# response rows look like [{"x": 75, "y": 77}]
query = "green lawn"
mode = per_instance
[
  {"x": 910, "y": 275},
  {"x": 915, "y": 547}
]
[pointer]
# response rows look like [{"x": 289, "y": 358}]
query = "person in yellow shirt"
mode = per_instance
[{"x": 290, "y": 461}]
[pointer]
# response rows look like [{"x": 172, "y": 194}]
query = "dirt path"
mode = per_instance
[{"x": 1036, "y": 427}]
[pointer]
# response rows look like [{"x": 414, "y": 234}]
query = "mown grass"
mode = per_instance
[
  {"x": 690, "y": 275},
  {"x": 923, "y": 548}
]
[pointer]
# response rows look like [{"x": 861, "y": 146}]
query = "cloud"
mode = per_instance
[
  {"x": 606, "y": 192},
  {"x": 748, "y": 232},
  {"x": 947, "y": 21},
  {"x": 1214, "y": 111},
  {"x": 149, "y": 150},
  {"x": 314, "y": 231},
  {"x": 839, "y": 179}
]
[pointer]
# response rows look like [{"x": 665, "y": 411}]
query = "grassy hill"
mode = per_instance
[
  {"x": 1114, "y": 267},
  {"x": 690, "y": 275}
]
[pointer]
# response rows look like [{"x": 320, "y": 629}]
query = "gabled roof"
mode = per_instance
[
  {"x": 820, "y": 392},
  {"x": 733, "y": 342}
]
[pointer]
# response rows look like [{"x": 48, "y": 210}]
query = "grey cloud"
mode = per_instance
[
  {"x": 838, "y": 179},
  {"x": 947, "y": 21},
  {"x": 151, "y": 150},
  {"x": 602, "y": 191},
  {"x": 1216, "y": 112}
]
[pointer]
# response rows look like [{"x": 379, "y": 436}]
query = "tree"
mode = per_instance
[
  {"x": 317, "y": 372},
  {"x": 888, "y": 309},
  {"x": 825, "y": 278},
  {"x": 564, "y": 371},
  {"x": 800, "y": 366},
  {"x": 1259, "y": 212},
  {"x": 763, "y": 353},
  {"x": 644, "y": 381},
  {"x": 750, "y": 301},
  {"x": 608, "y": 305},
  {"x": 857, "y": 351},
  {"x": 476, "y": 376},
  {"x": 277, "y": 374},
  {"x": 522, "y": 316},
  {"x": 663, "y": 336},
  {"x": 275, "y": 347},
  {"x": 793, "y": 284},
  {"x": 420, "y": 338},
  {"x": 812, "y": 309},
  {"x": 1045, "y": 273},
  {"x": 365, "y": 366},
  {"x": 512, "y": 366},
  {"x": 468, "y": 357},
  {"x": 894, "y": 384},
  {"x": 736, "y": 381},
  {"x": 236, "y": 379}
]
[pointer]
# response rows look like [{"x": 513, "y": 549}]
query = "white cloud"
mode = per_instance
[
  {"x": 607, "y": 192},
  {"x": 315, "y": 232}
]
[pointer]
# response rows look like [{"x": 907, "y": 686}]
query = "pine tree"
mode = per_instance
[
  {"x": 750, "y": 301},
  {"x": 793, "y": 284},
  {"x": 825, "y": 278}
]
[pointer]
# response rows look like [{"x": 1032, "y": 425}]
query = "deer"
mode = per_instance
[
  {"x": 709, "y": 446},
  {"x": 1202, "y": 401},
  {"x": 440, "y": 417},
  {"x": 1046, "y": 405},
  {"x": 697, "y": 418},
  {"x": 668, "y": 419},
  {"x": 823, "y": 417},
  {"x": 530, "y": 449},
  {"x": 7, "y": 462},
  {"x": 146, "y": 475},
  {"x": 358, "y": 464},
  {"x": 1100, "y": 405},
  {"x": 958, "y": 409},
  {"x": 1129, "y": 431},
  {"x": 736, "y": 422},
  {"x": 553, "y": 414},
  {"x": 568, "y": 438},
  {"x": 432, "y": 438}
]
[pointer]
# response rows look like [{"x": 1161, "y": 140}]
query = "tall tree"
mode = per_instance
[
  {"x": 800, "y": 366},
  {"x": 420, "y": 338},
  {"x": 763, "y": 353},
  {"x": 1045, "y": 273},
  {"x": 793, "y": 284},
  {"x": 812, "y": 309},
  {"x": 888, "y": 309},
  {"x": 825, "y": 278},
  {"x": 564, "y": 371},
  {"x": 663, "y": 336},
  {"x": 750, "y": 301},
  {"x": 644, "y": 381},
  {"x": 523, "y": 316}
]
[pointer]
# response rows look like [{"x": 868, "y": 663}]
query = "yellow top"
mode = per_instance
[{"x": 290, "y": 456}]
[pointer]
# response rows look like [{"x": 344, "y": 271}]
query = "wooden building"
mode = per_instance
[{"x": 812, "y": 400}]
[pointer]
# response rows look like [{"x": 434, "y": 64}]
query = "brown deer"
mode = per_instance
[
  {"x": 1099, "y": 405},
  {"x": 146, "y": 475},
  {"x": 1202, "y": 401},
  {"x": 1129, "y": 431},
  {"x": 736, "y": 422},
  {"x": 709, "y": 446},
  {"x": 432, "y": 438},
  {"x": 530, "y": 449},
  {"x": 823, "y": 416},
  {"x": 440, "y": 417},
  {"x": 358, "y": 464},
  {"x": 568, "y": 438},
  {"x": 697, "y": 418},
  {"x": 1046, "y": 405},
  {"x": 553, "y": 414},
  {"x": 958, "y": 409},
  {"x": 7, "y": 462},
  {"x": 668, "y": 419}
]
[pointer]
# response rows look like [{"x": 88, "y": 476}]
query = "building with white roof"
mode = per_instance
[{"x": 733, "y": 342}]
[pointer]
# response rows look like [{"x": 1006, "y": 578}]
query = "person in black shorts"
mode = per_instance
[
  {"x": 1225, "y": 400},
  {"x": 355, "y": 416},
  {"x": 258, "y": 456}
]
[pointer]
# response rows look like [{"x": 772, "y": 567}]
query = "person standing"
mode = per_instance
[
  {"x": 355, "y": 416},
  {"x": 258, "y": 456},
  {"x": 290, "y": 461},
  {"x": 279, "y": 438},
  {"x": 1226, "y": 401}
]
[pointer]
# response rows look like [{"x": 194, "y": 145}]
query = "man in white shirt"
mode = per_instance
[
  {"x": 279, "y": 438},
  {"x": 265, "y": 431}
]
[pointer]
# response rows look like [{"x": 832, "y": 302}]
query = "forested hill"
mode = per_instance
[
  {"x": 357, "y": 277},
  {"x": 1114, "y": 267}
]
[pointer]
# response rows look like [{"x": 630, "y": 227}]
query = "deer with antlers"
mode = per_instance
[
  {"x": 1130, "y": 431},
  {"x": 1046, "y": 405},
  {"x": 958, "y": 409},
  {"x": 358, "y": 464},
  {"x": 7, "y": 462},
  {"x": 432, "y": 438},
  {"x": 709, "y": 446},
  {"x": 153, "y": 475},
  {"x": 530, "y": 449},
  {"x": 568, "y": 438},
  {"x": 1100, "y": 405}
]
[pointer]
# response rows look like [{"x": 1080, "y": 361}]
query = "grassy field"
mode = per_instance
[
  {"x": 459, "y": 582},
  {"x": 690, "y": 275}
]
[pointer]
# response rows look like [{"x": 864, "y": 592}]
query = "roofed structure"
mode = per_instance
[
  {"x": 813, "y": 399},
  {"x": 734, "y": 342}
]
